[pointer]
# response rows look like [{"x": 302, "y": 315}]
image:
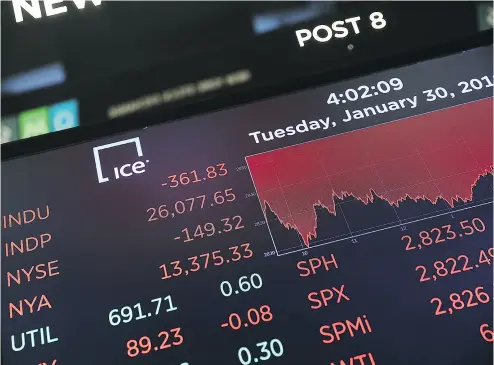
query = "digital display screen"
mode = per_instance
[{"x": 346, "y": 224}]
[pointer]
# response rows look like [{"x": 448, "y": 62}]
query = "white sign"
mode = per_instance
[
  {"x": 339, "y": 29},
  {"x": 125, "y": 170},
  {"x": 51, "y": 7}
]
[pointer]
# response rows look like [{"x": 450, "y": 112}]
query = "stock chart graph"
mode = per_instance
[{"x": 376, "y": 178}]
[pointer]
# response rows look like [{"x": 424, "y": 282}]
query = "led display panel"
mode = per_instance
[{"x": 350, "y": 223}]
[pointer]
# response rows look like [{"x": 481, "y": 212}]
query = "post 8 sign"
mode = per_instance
[
  {"x": 51, "y": 7},
  {"x": 339, "y": 29}
]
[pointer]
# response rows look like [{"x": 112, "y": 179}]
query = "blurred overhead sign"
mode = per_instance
[
  {"x": 51, "y": 7},
  {"x": 484, "y": 15},
  {"x": 41, "y": 120}
]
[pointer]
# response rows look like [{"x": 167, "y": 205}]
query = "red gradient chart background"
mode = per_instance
[{"x": 439, "y": 156}]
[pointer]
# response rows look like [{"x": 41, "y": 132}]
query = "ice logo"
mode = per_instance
[{"x": 123, "y": 171}]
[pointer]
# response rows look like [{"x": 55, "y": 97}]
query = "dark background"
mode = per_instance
[{"x": 120, "y": 51}]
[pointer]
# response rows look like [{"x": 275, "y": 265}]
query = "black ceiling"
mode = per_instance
[{"x": 118, "y": 35}]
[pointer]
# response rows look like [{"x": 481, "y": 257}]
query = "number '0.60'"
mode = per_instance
[{"x": 244, "y": 284}]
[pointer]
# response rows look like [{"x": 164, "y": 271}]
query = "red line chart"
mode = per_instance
[{"x": 435, "y": 157}]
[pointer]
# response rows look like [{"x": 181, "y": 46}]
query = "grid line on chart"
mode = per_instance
[
  {"x": 282, "y": 193},
  {"x": 408, "y": 220},
  {"x": 385, "y": 190},
  {"x": 336, "y": 205},
  {"x": 332, "y": 240},
  {"x": 382, "y": 182},
  {"x": 473, "y": 156}
]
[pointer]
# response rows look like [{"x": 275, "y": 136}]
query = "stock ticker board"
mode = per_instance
[{"x": 346, "y": 224}]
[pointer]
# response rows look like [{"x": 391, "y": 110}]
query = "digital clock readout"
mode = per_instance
[{"x": 365, "y": 91}]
